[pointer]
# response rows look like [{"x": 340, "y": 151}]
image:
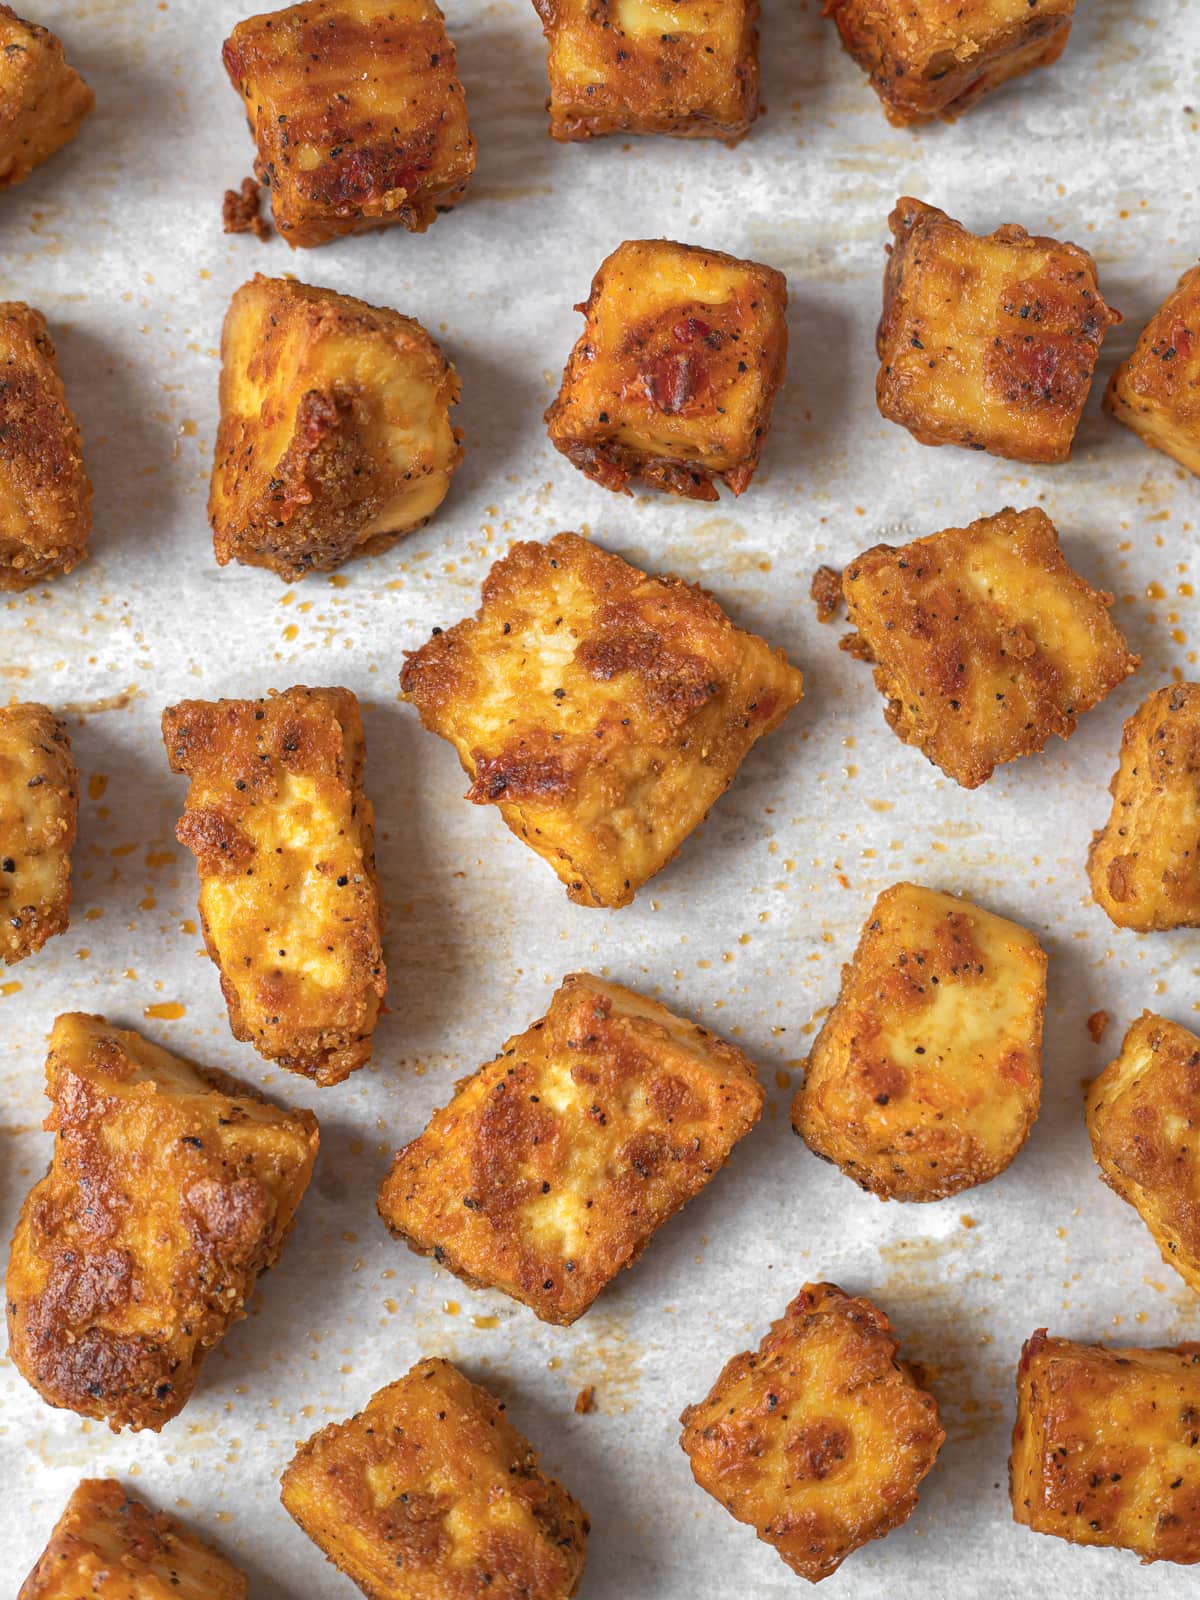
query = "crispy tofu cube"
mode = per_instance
[
  {"x": 357, "y": 112},
  {"x": 987, "y": 342},
  {"x": 335, "y": 437},
  {"x": 926, "y": 1076},
  {"x": 431, "y": 1493},
  {"x": 171, "y": 1187},
  {"x": 985, "y": 641},
  {"x": 284, "y": 840},
  {"x": 42, "y": 99},
  {"x": 45, "y": 492},
  {"x": 674, "y": 377},
  {"x": 603, "y": 711},
  {"x": 819, "y": 1438},
  {"x": 651, "y": 66},
  {"x": 39, "y": 804},
  {"x": 1156, "y": 392},
  {"x": 1105, "y": 1446},
  {"x": 552, "y": 1168}
]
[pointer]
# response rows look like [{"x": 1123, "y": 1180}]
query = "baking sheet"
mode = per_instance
[{"x": 118, "y": 240}]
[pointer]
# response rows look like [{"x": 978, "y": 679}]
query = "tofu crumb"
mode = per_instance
[
  {"x": 826, "y": 590},
  {"x": 240, "y": 211},
  {"x": 585, "y": 1400},
  {"x": 1096, "y": 1024}
]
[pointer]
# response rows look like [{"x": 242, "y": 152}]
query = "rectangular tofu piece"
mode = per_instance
[
  {"x": 39, "y": 806},
  {"x": 42, "y": 99},
  {"x": 552, "y": 1168},
  {"x": 988, "y": 342},
  {"x": 674, "y": 377},
  {"x": 335, "y": 437},
  {"x": 284, "y": 840},
  {"x": 1106, "y": 1447},
  {"x": 357, "y": 112},
  {"x": 432, "y": 1494},
  {"x": 603, "y": 711},
  {"x": 820, "y": 1438},
  {"x": 1156, "y": 391},
  {"x": 170, "y": 1188},
  {"x": 985, "y": 641}
]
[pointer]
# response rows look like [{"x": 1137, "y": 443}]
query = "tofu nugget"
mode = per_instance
[
  {"x": 553, "y": 1166},
  {"x": 170, "y": 1189},
  {"x": 432, "y": 1494},
  {"x": 819, "y": 1438},
  {"x": 1156, "y": 391},
  {"x": 39, "y": 804},
  {"x": 986, "y": 641},
  {"x": 602, "y": 710},
  {"x": 987, "y": 342},
  {"x": 926, "y": 1076},
  {"x": 1105, "y": 1446},
  {"x": 284, "y": 840},
  {"x": 42, "y": 99}
]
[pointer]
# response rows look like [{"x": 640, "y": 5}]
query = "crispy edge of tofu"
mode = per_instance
[
  {"x": 39, "y": 748},
  {"x": 1141, "y": 393},
  {"x": 33, "y": 136}
]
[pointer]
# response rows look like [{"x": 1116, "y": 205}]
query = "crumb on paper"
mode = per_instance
[
  {"x": 240, "y": 212},
  {"x": 585, "y": 1400},
  {"x": 826, "y": 590},
  {"x": 1096, "y": 1024}
]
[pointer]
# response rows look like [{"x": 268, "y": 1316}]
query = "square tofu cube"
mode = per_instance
[
  {"x": 45, "y": 493},
  {"x": 42, "y": 99},
  {"x": 357, "y": 112},
  {"x": 987, "y": 342},
  {"x": 602, "y": 710},
  {"x": 926, "y": 1077},
  {"x": 39, "y": 804},
  {"x": 108, "y": 1544},
  {"x": 553, "y": 1166},
  {"x": 431, "y": 1494},
  {"x": 985, "y": 641},
  {"x": 335, "y": 437},
  {"x": 651, "y": 66},
  {"x": 170, "y": 1189},
  {"x": 675, "y": 375},
  {"x": 1156, "y": 392},
  {"x": 284, "y": 840},
  {"x": 1105, "y": 1446},
  {"x": 819, "y": 1438}
]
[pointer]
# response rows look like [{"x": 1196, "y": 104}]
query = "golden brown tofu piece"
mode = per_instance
[
  {"x": 602, "y": 710},
  {"x": 108, "y": 1546},
  {"x": 553, "y": 1166},
  {"x": 357, "y": 112},
  {"x": 651, "y": 66},
  {"x": 45, "y": 492},
  {"x": 335, "y": 437},
  {"x": 170, "y": 1189},
  {"x": 675, "y": 374},
  {"x": 985, "y": 641},
  {"x": 39, "y": 804},
  {"x": 819, "y": 1438},
  {"x": 1156, "y": 391},
  {"x": 284, "y": 840},
  {"x": 987, "y": 342},
  {"x": 42, "y": 99},
  {"x": 926, "y": 1076},
  {"x": 1105, "y": 1446},
  {"x": 432, "y": 1494}
]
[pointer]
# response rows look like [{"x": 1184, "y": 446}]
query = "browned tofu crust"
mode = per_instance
[
  {"x": 39, "y": 806},
  {"x": 42, "y": 99},
  {"x": 985, "y": 641},
  {"x": 819, "y": 1438},
  {"x": 602, "y": 710},
  {"x": 170, "y": 1189},
  {"x": 988, "y": 342},
  {"x": 1106, "y": 1447},
  {"x": 1156, "y": 391},
  {"x": 358, "y": 114},
  {"x": 554, "y": 1165},
  {"x": 432, "y": 1494}
]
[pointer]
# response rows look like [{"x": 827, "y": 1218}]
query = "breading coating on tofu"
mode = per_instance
[
  {"x": 39, "y": 804},
  {"x": 675, "y": 374},
  {"x": 988, "y": 342},
  {"x": 1106, "y": 1446},
  {"x": 1156, "y": 391},
  {"x": 985, "y": 641},
  {"x": 357, "y": 112},
  {"x": 554, "y": 1165},
  {"x": 819, "y": 1438},
  {"x": 432, "y": 1494},
  {"x": 683, "y": 67},
  {"x": 45, "y": 492},
  {"x": 926, "y": 1076},
  {"x": 109, "y": 1546},
  {"x": 335, "y": 437},
  {"x": 42, "y": 99},
  {"x": 603, "y": 711},
  {"x": 170, "y": 1189},
  {"x": 284, "y": 840}
]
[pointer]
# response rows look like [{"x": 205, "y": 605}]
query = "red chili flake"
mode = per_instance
[
  {"x": 688, "y": 329},
  {"x": 672, "y": 381}
]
